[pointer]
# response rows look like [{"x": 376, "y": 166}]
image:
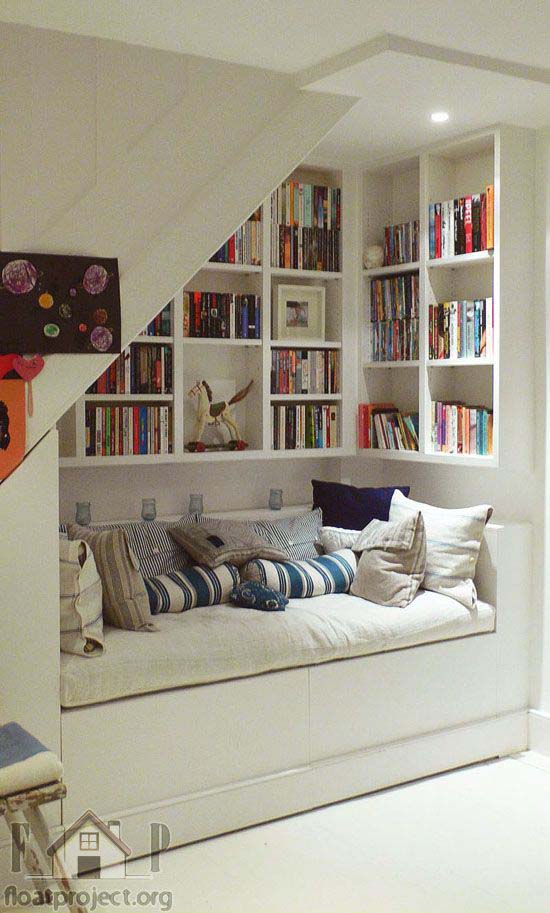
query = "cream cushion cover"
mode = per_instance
[
  {"x": 393, "y": 561},
  {"x": 453, "y": 541},
  {"x": 333, "y": 538},
  {"x": 81, "y": 613}
]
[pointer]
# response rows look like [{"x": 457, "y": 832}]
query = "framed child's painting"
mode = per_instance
[{"x": 53, "y": 303}]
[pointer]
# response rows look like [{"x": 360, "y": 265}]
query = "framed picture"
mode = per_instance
[{"x": 299, "y": 312}]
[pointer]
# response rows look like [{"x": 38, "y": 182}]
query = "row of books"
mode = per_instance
[
  {"x": 383, "y": 427},
  {"x": 457, "y": 428},
  {"x": 305, "y": 248},
  {"x": 307, "y": 371},
  {"x": 304, "y": 427},
  {"x": 221, "y": 315},
  {"x": 394, "y": 297},
  {"x": 300, "y": 205},
  {"x": 463, "y": 225},
  {"x": 138, "y": 369},
  {"x": 401, "y": 243},
  {"x": 461, "y": 329},
  {"x": 394, "y": 340},
  {"x": 245, "y": 245},
  {"x": 162, "y": 324},
  {"x": 128, "y": 430}
]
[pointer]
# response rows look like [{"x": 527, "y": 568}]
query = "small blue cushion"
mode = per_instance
[{"x": 253, "y": 595}]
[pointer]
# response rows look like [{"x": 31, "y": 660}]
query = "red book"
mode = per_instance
[
  {"x": 197, "y": 300},
  {"x": 468, "y": 237},
  {"x": 231, "y": 243},
  {"x": 437, "y": 223},
  {"x": 136, "y": 429},
  {"x": 483, "y": 221}
]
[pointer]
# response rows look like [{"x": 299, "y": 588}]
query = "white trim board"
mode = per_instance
[{"x": 539, "y": 732}]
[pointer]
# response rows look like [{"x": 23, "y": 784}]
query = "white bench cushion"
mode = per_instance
[{"x": 220, "y": 642}]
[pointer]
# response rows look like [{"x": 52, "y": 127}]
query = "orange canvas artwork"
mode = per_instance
[{"x": 12, "y": 425}]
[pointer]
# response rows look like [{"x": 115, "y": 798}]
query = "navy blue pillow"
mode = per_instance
[
  {"x": 253, "y": 595},
  {"x": 348, "y": 507}
]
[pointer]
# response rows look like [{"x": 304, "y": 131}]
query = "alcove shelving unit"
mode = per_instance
[
  {"x": 400, "y": 192},
  {"x": 229, "y": 364}
]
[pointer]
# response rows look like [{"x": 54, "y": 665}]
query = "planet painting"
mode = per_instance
[{"x": 35, "y": 313}]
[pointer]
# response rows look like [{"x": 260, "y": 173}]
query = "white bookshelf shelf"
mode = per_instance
[
  {"x": 460, "y": 363},
  {"x": 306, "y": 344},
  {"x": 415, "y": 456},
  {"x": 474, "y": 259},
  {"x": 154, "y": 340},
  {"x": 305, "y": 397},
  {"x": 232, "y": 268},
  {"x": 322, "y": 275},
  {"x": 391, "y": 364},
  {"x": 382, "y": 272}
]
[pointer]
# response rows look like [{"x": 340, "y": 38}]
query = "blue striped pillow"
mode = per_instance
[
  {"x": 301, "y": 579},
  {"x": 179, "y": 591}
]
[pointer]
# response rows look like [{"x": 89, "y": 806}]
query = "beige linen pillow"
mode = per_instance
[
  {"x": 81, "y": 614},
  {"x": 215, "y": 542},
  {"x": 125, "y": 600},
  {"x": 393, "y": 562},
  {"x": 453, "y": 541},
  {"x": 333, "y": 538}
]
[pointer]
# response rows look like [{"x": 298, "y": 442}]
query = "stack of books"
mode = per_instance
[
  {"x": 461, "y": 329},
  {"x": 221, "y": 315},
  {"x": 304, "y": 427},
  {"x": 394, "y": 318},
  {"x": 139, "y": 369},
  {"x": 128, "y": 430},
  {"x": 245, "y": 246},
  {"x": 401, "y": 243},
  {"x": 307, "y": 371},
  {"x": 457, "y": 428},
  {"x": 305, "y": 227},
  {"x": 463, "y": 225},
  {"x": 382, "y": 426},
  {"x": 161, "y": 325}
]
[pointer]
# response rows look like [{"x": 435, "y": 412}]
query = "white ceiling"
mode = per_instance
[{"x": 397, "y": 90}]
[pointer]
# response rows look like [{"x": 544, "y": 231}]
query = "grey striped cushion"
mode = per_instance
[
  {"x": 453, "y": 540},
  {"x": 195, "y": 586},
  {"x": 156, "y": 551},
  {"x": 125, "y": 600},
  {"x": 296, "y": 536},
  {"x": 301, "y": 579},
  {"x": 81, "y": 614}
]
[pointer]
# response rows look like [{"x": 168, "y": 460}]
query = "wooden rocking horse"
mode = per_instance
[{"x": 209, "y": 413}]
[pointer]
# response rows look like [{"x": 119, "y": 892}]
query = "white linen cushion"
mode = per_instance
[
  {"x": 393, "y": 561},
  {"x": 453, "y": 540},
  {"x": 81, "y": 596},
  {"x": 333, "y": 538}
]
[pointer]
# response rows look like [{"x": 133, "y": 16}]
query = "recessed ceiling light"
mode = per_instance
[{"x": 439, "y": 117}]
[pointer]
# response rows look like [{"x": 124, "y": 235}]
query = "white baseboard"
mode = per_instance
[{"x": 539, "y": 732}]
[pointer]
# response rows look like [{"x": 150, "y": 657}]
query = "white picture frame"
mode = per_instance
[{"x": 299, "y": 313}]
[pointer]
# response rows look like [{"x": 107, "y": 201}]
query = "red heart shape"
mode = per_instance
[
  {"x": 6, "y": 364},
  {"x": 28, "y": 368}
]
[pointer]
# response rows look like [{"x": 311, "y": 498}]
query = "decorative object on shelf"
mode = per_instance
[
  {"x": 12, "y": 425},
  {"x": 299, "y": 312},
  {"x": 196, "y": 504},
  {"x": 374, "y": 256},
  {"x": 275, "y": 498},
  {"x": 210, "y": 413},
  {"x": 28, "y": 369},
  {"x": 51, "y": 303},
  {"x": 83, "y": 515},
  {"x": 148, "y": 509}
]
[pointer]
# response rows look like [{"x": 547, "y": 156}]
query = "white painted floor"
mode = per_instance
[{"x": 476, "y": 840}]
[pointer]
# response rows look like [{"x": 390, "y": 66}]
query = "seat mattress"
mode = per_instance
[{"x": 220, "y": 642}]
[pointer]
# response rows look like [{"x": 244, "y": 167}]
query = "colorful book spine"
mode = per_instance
[
  {"x": 296, "y": 371},
  {"x": 221, "y": 315},
  {"x": 461, "y": 226},
  {"x": 305, "y": 227},
  {"x": 458, "y": 428},
  {"x": 245, "y": 245},
  {"x": 461, "y": 329},
  {"x": 401, "y": 243},
  {"x": 394, "y": 310},
  {"x": 140, "y": 368},
  {"x": 162, "y": 323},
  {"x": 381, "y": 426},
  {"x": 116, "y": 430},
  {"x": 305, "y": 426}
]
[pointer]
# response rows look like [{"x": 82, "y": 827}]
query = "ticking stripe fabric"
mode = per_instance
[
  {"x": 296, "y": 536},
  {"x": 81, "y": 612},
  {"x": 195, "y": 586},
  {"x": 125, "y": 600},
  {"x": 156, "y": 551},
  {"x": 302, "y": 579},
  {"x": 453, "y": 541}
]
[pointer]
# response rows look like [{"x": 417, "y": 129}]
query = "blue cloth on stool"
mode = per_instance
[{"x": 24, "y": 761}]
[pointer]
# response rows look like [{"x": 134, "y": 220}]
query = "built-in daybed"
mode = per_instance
[{"x": 227, "y": 717}]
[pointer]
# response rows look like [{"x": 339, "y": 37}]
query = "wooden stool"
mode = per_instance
[{"x": 24, "y": 808}]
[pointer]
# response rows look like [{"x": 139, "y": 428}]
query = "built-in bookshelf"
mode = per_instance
[
  {"x": 221, "y": 329},
  {"x": 450, "y": 378}
]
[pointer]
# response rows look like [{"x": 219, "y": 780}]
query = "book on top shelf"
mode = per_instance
[
  {"x": 305, "y": 426},
  {"x": 221, "y": 315},
  {"x": 402, "y": 243},
  {"x": 464, "y": 225},
  {"x": 382, "y": 426},
  {"x": 461, "y": 329},
  {"x": 394, "y": 318},
  {"x": 305, "y": 227},
  {"x": 138, "y": 369},
  {"x": 162, "y": 323},
  {"x": 245, "y": 245},
  {"x": 457, "y": 428}
]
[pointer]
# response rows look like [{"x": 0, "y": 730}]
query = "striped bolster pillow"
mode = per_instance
[
  {"x": 301, "y": 579},
  {"x": 195, "y": 586}
]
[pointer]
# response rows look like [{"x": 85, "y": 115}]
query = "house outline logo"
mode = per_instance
[{"x": 88, "y": 847}]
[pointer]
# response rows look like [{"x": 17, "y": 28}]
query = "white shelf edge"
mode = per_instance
[
  {"x": 376, "y": 272},
  {"x": 452, "y": 459},
  {"x": 304, "y": 344},
  {"x": 214, "y": 341},
  {"x": 324, "y": 275},
  {"x": 391, "y": 364},
  {"x": 151, "y": 340},
  {"x": 93, "y": 462},
  {"x": 305, "y": 397},
  {"x": 231, "y": 267},
  {"x": 460, "y": 362},
  {"x": 473, "y": 259},
  {"x": 129, "y": 397}
]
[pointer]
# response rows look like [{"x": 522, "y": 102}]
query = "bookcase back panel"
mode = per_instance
[
  {"x": 469, "y": 282},
  {"x": 389, "y": 199},
  {"x": 399, "y": 386},
  {"x": 219, "y": 281},
  {"x": 471, "y": 386},
  {"x": 457, "y": 177}
]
